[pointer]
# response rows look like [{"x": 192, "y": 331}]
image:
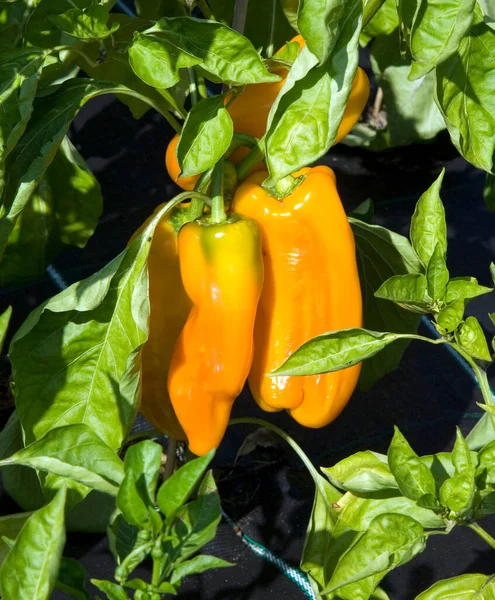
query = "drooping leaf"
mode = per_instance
[
  {"x": 87, "y": 24},
  {"x": 465, "y": 82},
  {"x": 462, "y": 587},
  {"x": 362, "y": 472},
  {"x": 112, "y": 590},
  {"x": 408, "y": 291},
  {"x": 196, "y": 565}
]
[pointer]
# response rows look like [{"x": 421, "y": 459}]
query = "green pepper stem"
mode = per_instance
[
  {"x": 200, "y": 82},
  {"x": 247, "y": 164},
  {"x": 171, "y": 456},
  {"x": 156, "y": 573},
  {"x": 239, "y": 140},
  {"x": 193, "y": 86},
  {"x": 218, "y": 214},
  {"x": 370, "y": 10},
  {"x": 483, "y": 534},
  {"x": 206, "y": 10}
]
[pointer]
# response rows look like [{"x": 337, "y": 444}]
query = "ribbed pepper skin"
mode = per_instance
[
  {"x": 169, "y": 307},
  {"x": 311, "y": 287},
  {"x": 222, "y": 273}
]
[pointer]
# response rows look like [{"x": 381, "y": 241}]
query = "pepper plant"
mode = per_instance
[{"x": 247, "y": 86}]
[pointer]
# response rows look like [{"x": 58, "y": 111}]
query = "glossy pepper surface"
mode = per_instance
[
  {"x": 169, "y": 307},
  {"x": 311, "y": 287},
  {"x": 222, "y": 273}
]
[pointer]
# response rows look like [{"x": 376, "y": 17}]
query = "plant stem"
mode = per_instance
[
  {"x": 297, "y": 449},
  {"x": 240, "y": 14},
  {"x": 248, "y": 163},
  {"x": 200, "y": 82},
  {"x": 142, "y": 435},
  {"x": 206, "y": 10},
  {"x": 170, "y": 464},
  {"x": 269, "y": 48},
  {"x": 156, "y": 573},
  {"x": 193, "y": 86},
  {"x": 370, "y": 10},
  {"x": 165, "y": 114},
  {"x": 217, "y": 203},
  {"x": 480, "y": 375},
  {"x": 483, "y": 534},
  {"x": 180, "y": 110}
]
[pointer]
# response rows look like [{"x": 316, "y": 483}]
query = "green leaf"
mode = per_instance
[
  {"x": 489, "y": 192},
  {"x": 73, "y": 451},
  {"x": 4, "y": 325},
  {"x": 390, "y": 541},
  {"x": 157, "y": 62},
  {"x": 486, "y": 464},
  {"x": 122, "y": 537},
  {"x": 88, "y": 24},
  {"x": 198, "y": 564},
  {"x": 465, "y": 83},
  {"x": 464, "y": 288},
  {"x": 73, "y": 359},
  {"x": 461, "y": 455},
  {"x": 113, "y": 591},
  {"x": 10, "y": 526},
  {"x": 362, "y": 472},
  {"x": 380, "y": 255},
  {"x": 472, "y": 339},
  {"x": 37, "y": 147},
  {"x": 130, "y": 503},
  {"x": 462, "y": 587},
  {"x": 304, "y": 119},
  {"x": 12, "y": 22},
  {"x": 156, "y": 9},
  {"x": 35, "y": 557},
  {"x": 21, "y": 70},
  {"x": 39, "y": 29},
  {"x": 489, "y": 12},
  {"x": 413, "y": 477},
  {"x": 428, "y": 226},
  {"x": 225, "y": 55},
  {"x": 437, "y": 31},
  {"x": 363, "y": 212},
  {"x": 205, "y": 136},
  {"x": 385, "y": 21},
  {"x": 64, "y": 209},
  {"x": 408, "y": 291},
  {"x": 320, "y": 23},
  {"x": 482, "y": 433},
  {"x": 450, "y": 317},
  {"x": 437, "y": 274},
  {"x": 457, "y": 492},
  {"x": 410, "y": 112},
  {"x": 177, "y": 489},
  {"x": 71, "y": 579},
  {"x": 144, "y": 460},
  {"x": 197, "y": 521},
  {"x": 334, "y": 351}
]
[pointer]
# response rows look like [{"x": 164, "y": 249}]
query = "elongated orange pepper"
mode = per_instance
[
  {"x": 169, "y": 307},
  {"x": 311, "y": 287},
  {"x": 222, "y": 272}
]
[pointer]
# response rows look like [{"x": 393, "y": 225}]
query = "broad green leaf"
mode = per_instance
[
  {"x": 112, "y": 591},
  {"x": 450, "y": 317},
  {"x": 472, "y": 339},
  {"x": 461, "y": 456},
  {"x": 464, "y": 288},
  {"x": 21, "y": 70},
  {"x": 489, "y": 192},
  {"x": 413, "y": 477},
  {"x": 320, "y": 22},
  {"x": 486, "y": 464},
  {"x": 334, "y": 351},
  {"x": 71, "y": 579},
  {"x": 385, "y": 21},
  {"x": 489, "y": 12},
  {"x": 407, "y": 10},
  {"x": 428, "y": 226},
  {"x": 408, "y": 291},
  {"x": 4, "y": 325},
  {"x": 408, "y": 106},
  {"x": 39, "y": 29},
  {"x": 197, "y": 521},
  {"x": 64, "y": 209},
  {"x": 76, "y": 357},
  {"x": 122, "y": 537},
  {"x": 10, "y": 526},
  {"x": 157, "y": 62},
  {"x": 131, "y": 504},
  {"x": 31, "y": 566},
  {"x": 440, "y": 465},
  {"x": 225, "y": 55},
  {"x": 198, "y": 564},
  {"x": 462, "y": 587},
  {"x": 362, "y": 472},
  {"x": 144, "y": 460},
  {"x": 76, "y": 452},
  {"x": 437, "y": 31},
  {"x": 465, "y": 84},
  {"x": 381, "y": 254},
  {"x": 363, "y": 212},
  {"x": 177, "y": 489},
  {"x": 39, "y": 143},
  {"x": 304, "y": 119},
  {"x": 437, "y": 274},
  {"x": 264, "y": 28},
  {"x": 482, "y": 433},
  {"x": 88, "y": 24},
  {"x": 205, "y": 136},
  {"x": 457, "y": 493},
  {"x": 391, "y": 540},
  {"x": 12, "y": 22}
]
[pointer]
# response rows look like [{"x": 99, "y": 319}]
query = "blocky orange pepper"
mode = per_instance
[{"x": 311, "y": 287}]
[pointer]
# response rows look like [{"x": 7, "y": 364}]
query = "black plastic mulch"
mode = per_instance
[{"x": 269, "y": 493}]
